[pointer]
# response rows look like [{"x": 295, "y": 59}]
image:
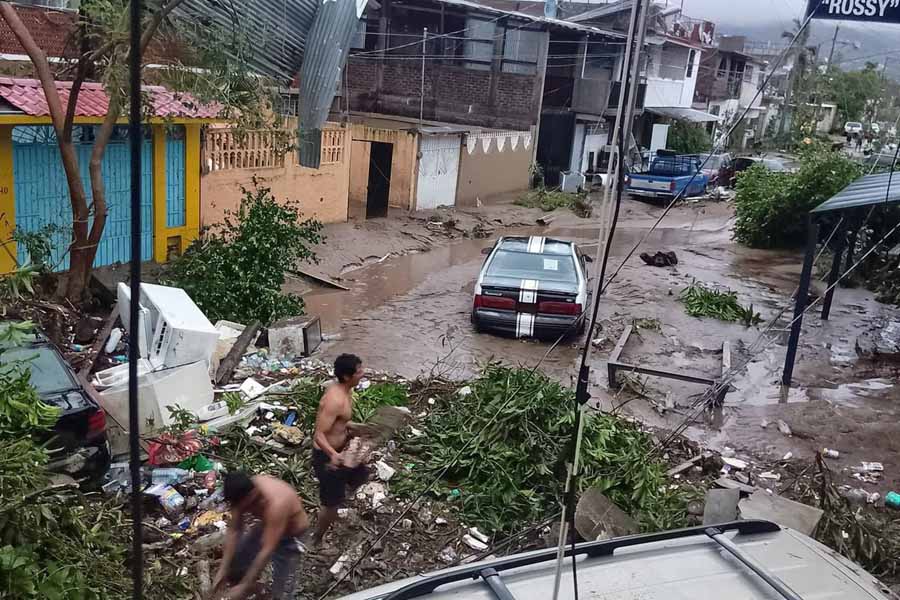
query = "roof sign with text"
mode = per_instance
[{"x": 871, "y": 11}]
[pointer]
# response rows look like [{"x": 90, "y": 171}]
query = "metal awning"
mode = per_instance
[
  {"x": 683, "y": 114},
  {"x": 865, "y": 191}
]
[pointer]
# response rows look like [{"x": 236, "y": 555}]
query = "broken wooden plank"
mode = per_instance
[
  {"x": 97, "y": 346},
  {"x": 684, "y": 466},
  {"x": 620, "y": 344},
  {"x": 319, "y": 277},
  {"x": 725, "y": 482},
  {"x": 233, "y": 358}
]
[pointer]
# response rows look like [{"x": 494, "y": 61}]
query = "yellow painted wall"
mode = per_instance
[
  {"x": 403, "y": 164},
  {"x": 184, "y": 235},
  {"x": 322, "y": 193},
  {"x": 7, "y": 201}
]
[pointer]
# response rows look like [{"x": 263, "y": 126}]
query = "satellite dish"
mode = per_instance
[{"x": 598, "y": 518}]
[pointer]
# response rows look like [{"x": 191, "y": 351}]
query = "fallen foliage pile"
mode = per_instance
[
  {"x": 701, "y": 301},
  {"x": 516, "y": 427},
  {"x": 552, "y": 199}
]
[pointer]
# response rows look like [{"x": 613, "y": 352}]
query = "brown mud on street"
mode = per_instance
[{"x": 410, "y": 314}]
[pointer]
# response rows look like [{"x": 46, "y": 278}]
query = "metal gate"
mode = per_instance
[
  {"x": 42, "y": 196},
  {"x": 438, "y": 170}
]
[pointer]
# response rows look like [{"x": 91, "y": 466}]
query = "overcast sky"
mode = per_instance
[{"x": 746, "y": 11}]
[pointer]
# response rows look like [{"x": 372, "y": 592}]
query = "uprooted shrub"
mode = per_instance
[
  {"x": 236, "y": 269},
  {"x": 514, "y": 430},
  {"x": 771, "y": 207}
]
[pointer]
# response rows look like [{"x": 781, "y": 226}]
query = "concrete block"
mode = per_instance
[
  {"x": 787, "y": 513},
  {"x": 721, "y": 506}
]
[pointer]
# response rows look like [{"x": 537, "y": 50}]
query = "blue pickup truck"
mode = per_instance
[{"x": 669, "y": 176}]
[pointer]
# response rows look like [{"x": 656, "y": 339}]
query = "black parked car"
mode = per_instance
[{"x": 78, "y": 441}]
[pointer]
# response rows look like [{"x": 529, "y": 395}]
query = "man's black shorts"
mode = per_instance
[{"x": 335, "y": 483}]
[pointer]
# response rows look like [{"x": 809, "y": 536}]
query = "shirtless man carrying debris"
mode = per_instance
[
  {"x": 276, "y": 537},
  {"x": 333, "y": 431}
]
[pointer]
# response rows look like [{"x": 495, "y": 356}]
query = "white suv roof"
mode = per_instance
[{"x": 747, "y": 560}]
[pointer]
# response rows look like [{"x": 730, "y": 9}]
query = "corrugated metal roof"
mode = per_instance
[
  {"x": 559, "y": 23},
  {"x": 329, "y": 42},
  {"x": 278, "y": 29},
  {"x": 27, "y": 96},
  {"x": 865, "y": 191},
  {"x": 683, "y": 114}
]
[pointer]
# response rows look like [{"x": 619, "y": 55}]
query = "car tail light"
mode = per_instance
[
  {"x": 495, "y": 302},
  {"x": 559, "y": 308},
  {"x": 627, "y": 180},
  {"x": 671, "y": 186},
  {"x": 96, "y": 423}
]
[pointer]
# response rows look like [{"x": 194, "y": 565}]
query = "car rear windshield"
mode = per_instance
[
  {"x": 529, "y": 265},
  {"x": 714, "y": 162},
  {"x": 674, "y": 166},
  {"x": 48, "y": 374}
]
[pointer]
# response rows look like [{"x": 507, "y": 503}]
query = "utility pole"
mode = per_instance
[
  {"x": 837, "y": 28},
  {"x": 422, "y": 92}
]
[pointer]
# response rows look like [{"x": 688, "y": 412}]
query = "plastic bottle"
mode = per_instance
[
  {"x": 169, "y": 476},
  {"x": 892, "y": 500},
  {"x": 214, "y": 499},
  {"x": 830, "y": 453}
]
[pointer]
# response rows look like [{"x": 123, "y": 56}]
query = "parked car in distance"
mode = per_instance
[
  {"x": 853, "y": 128},
  {"x": 78, "y": 441},
  {"x": 532, "y": 287},
  {"x": 743, "y": 559},
  {"x": 719, "y": 168},
  {"x": 669, "y": 175},
  {"x": 742, "y": 163},
  {"x": 875, "y": 128}
]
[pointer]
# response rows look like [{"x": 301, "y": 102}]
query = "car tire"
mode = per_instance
[{"x": 475, "y": 325}]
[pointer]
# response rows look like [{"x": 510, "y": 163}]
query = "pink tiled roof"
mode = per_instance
[{"x": 28, "y": 96}]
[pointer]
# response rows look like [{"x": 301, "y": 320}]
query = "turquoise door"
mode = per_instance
[
  {"x": 42, "y": 196},
  {"x": 175, "y": 213}
]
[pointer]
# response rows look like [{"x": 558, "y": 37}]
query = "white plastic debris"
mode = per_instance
[
  {"x": 340, "y": 564},
  {"x": 872, "y": 467},
  {"x": 440, "y": 521},
  {"x": 735, "y": 463},
  {"x": 770, "y": 475},
  {"x": 270, "y": 415},
  {"x": 431, "y": 401},
  {"x": 251, "y": 430},
  {"x": 251, "y": 388},
  {"x": 788, "y": 456},
  {"x": 475, "y": 533},
  {"x": 364, "y": 384},
  {"x": 465, "y": 391},
  {"x": 415, "y": 432},
  {"x": 384, "y": 470},
  {"x": 784, "y": 428},
  {"x": 406, "y": 524},
  {"x": 474, "y": 544},
  {"x": 378, "y": 499}
]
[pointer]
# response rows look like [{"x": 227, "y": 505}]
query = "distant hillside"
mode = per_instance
[{"x": 878, "y": 44}]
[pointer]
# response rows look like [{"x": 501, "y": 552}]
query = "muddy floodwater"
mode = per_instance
[{"x": 409, "y": 314}]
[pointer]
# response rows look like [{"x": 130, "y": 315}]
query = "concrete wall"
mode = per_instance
[
  {"x": 403, "y": 163},
  {"x": 322, "y": 193},
  {"x": 486, "y": 174}
]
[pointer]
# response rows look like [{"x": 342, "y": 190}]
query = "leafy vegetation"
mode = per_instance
[
  {"x": 516, "y": 428},
  {"x": 771, "y": 207},
  {"x": 551, "y": 199},
  {"x": 685, "y": 138},
  {"x": 236, "y": 269},
  {"x": 701, "y": 301}
]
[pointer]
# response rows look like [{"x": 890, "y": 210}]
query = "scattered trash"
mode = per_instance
[
  {"x": 660, "y": 259},
  {"x": 448, "y": 555},
  {"x": 788, "y": 456},
  {"x": 829, "y": 453},
  {"x": 474, "y": 544},
  {"x": 770, "y": 475},
  {"x": 406, "y": 524},
  {"x": 464, "y": 391},
  {"x": 169, "y": 498},
  {"x": 338, "y": 567},
  {"x": 892, "y": 500},
  {"x": 475, "y": 533},
  {"x": 440, "y": 521},
  {"x": 784, "y": 428},
  {"x": 734, "y": 463},
  {"x": 859, "y": 496},
  {"x": 721, "y": 506},
  {"x": 872, "y": 467},
  {"x": 292, "y": 436},
  {"x": 384, "y": 470},
  {"x": 764, "y": 424},
  {"x": 169, "y": 476}
]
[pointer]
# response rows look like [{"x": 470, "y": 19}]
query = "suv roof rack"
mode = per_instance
[{"x": 490, "y": 573}]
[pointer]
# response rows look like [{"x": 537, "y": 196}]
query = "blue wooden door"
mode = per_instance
[
  {"x": 175, "y": 207},
  {"x": 42, "y": 196}
]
